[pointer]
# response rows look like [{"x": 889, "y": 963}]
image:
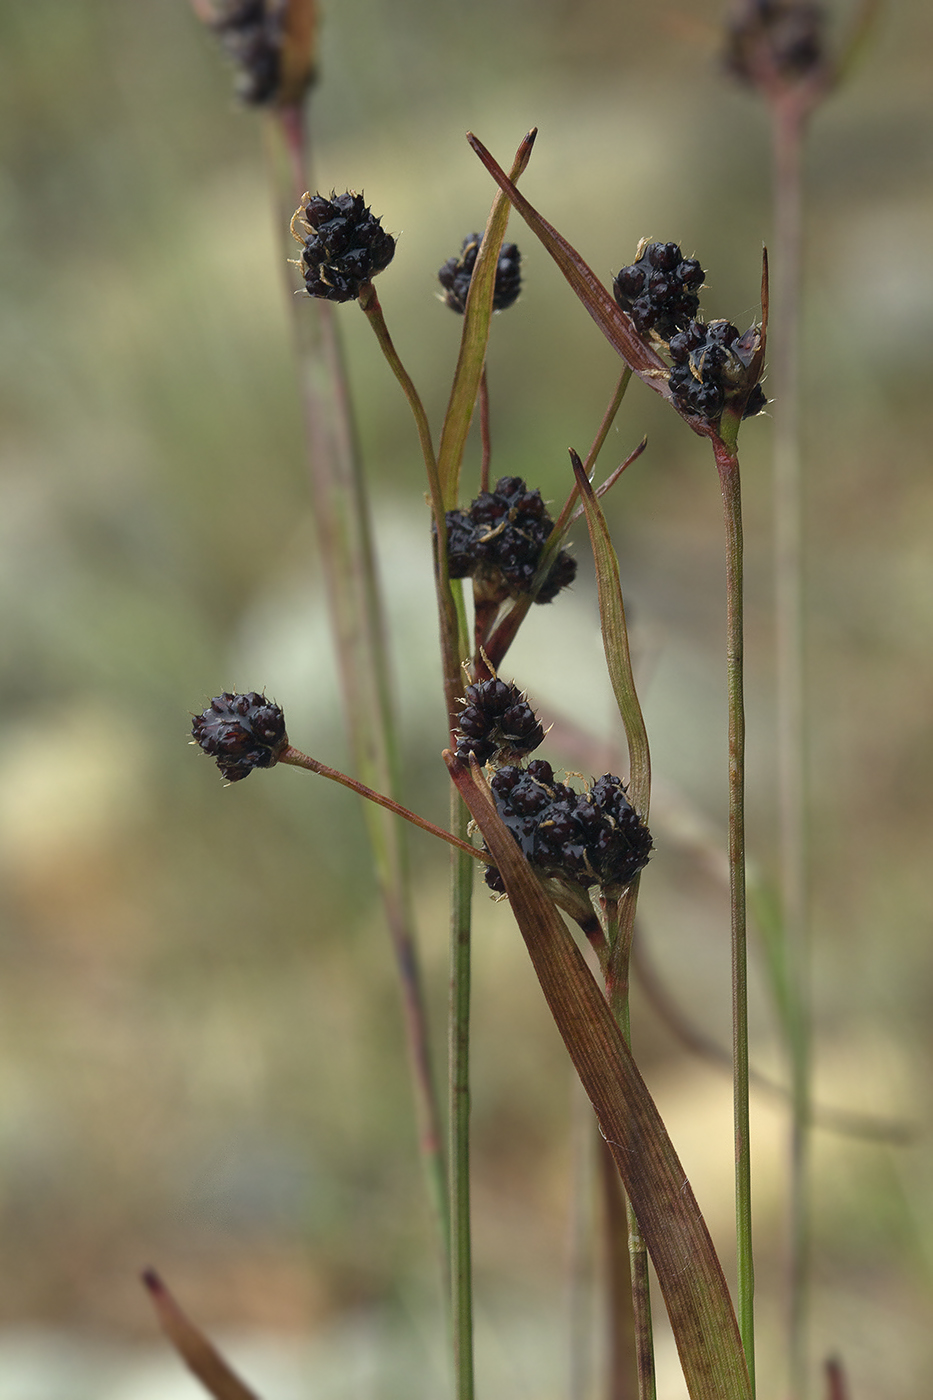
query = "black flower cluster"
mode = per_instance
[
  {"x": 770, "y": 39},
  {"x": 457, "y": 273},
  {"x": 711, "y": 365},
  {"x": 343, "y": 245},
  {"x": 659, "y": 290},
  {"x": 241, "y": 732},
  {"x": 251, "y": 32},
  {"x": 497, "y": 720},
  {"x": 499, "y": 540},
  {"x": 584, "y": 838}
]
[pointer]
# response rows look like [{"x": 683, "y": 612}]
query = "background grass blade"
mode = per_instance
[{"x": 198, "y": 1353}]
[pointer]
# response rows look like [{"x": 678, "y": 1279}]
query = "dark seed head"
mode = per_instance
[
  {"x": 499, "y": 542},
  {"x": 496, "y": 721},
  {"x": 252, "y": 33},
  {"x": 659, "y": 291},
  {"x": 343, "y": 245},
  {"x": 593, "y": 838},
  {"x": 712, "y": 368},
  {"x": 241, "y": 732},
  {"x": 457, "y": 273},
  {"x": 776, "y": 41}
]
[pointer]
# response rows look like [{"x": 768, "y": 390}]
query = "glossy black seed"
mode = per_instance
[
  {"x": 494, "y": 880},
  {"x": 527, "y": 797},
  {"x": 690, "y": 273},
  {"x": 757, "y": 400},
  {"x": 631, "y": 281},
  {"x": 457, "y": 273},
  {"x": 663, "y": 255},
  {"x": 505, "y": 780},
  {"x": 241, "y": 732}
]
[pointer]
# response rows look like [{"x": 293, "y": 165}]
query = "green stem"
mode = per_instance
[
  {"x": 461, "y": 1273},
  {"x": 788, "y": 124},
  {"x": 345, "y": 541},
  {"x": 727, "y": 463},
  {"x": 450, "y": 622},
  {"x": 454, "y": 650},
  {"x": 623, "y": 1377},
  {"x": 620, "y": 932}
]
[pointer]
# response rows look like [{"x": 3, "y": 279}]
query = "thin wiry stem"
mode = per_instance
[
  {"x": 453, "y": 653},
  {"x": 461, "y": 1280},
  {"x": 296, "y": 759},
  {"x": 623, "y": 1378},
  {"x": 620, "y": 930},
  {"x": 727, "y": 463}
]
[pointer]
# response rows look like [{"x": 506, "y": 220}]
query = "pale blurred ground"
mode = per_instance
[{"x": 201, "y": 1064}]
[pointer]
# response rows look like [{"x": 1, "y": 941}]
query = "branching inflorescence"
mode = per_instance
[{"x": 543, "y": 840}]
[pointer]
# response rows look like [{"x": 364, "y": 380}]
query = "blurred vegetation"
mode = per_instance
[{"x": 201, "y": 1060}]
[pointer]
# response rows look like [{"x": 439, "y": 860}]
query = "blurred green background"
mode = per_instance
[{"x": 201, "y": 1057}]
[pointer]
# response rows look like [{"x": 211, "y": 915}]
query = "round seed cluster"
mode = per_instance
[
  {"x": 659, "y": 291},
  {"x": 776, "y": 38},
  {"x": 251, "y": 32},
  {"x": 584, "y": 838},
  {"x": 500, "y": 539},
  {"x": 241, "y": 732},
  {"x": 457, "y": 273},
  {"x": 343, "y": 245},
  {"x": 709, "y": 369},
  {"x": 497, "y": 720}
]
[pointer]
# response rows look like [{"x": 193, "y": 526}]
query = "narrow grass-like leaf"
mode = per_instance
[
  {"x": 198, "y": 1353},
  {"x": 674, "y": 1231},
  {"x": 615, "y": 641},
  {"x": 474, "y": 338}
]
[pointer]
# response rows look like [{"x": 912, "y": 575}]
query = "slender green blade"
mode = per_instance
[
  {"x": 615, "y": 642},
  {"x": 475, "y": 336}
]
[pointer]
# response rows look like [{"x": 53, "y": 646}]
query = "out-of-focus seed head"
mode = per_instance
[
  {"x": 712, "y": 367},
  {"x": 343, "y": 245},
  {"x": 579, "y": 839},
  {"x": 241, "y": 732},
  {"x": 498, "y": 543},
  {"x": 659, "y": 290},
  {"x": 457, "y": 273},
  {"x": 251, "y": 32},
  {"x": 776, "y": 42},
  {"x": 497, "y": 723},
  {"x": 271, "y": 42}
]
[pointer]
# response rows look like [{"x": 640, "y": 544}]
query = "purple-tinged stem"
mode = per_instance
[
  {"x": 727, "y": 464},
  {"x": 294, "y": 758}
]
